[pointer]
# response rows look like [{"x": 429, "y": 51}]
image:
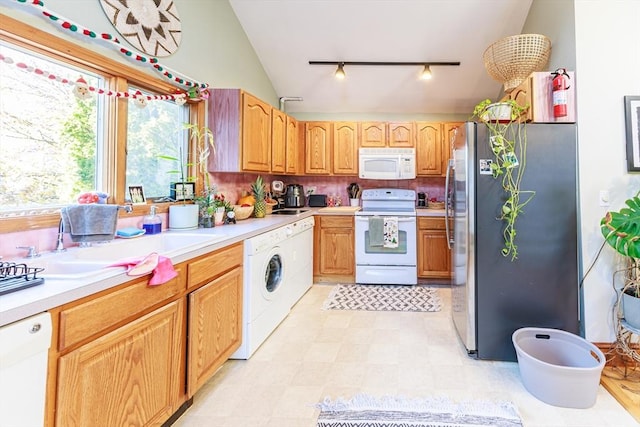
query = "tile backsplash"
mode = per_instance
[{"x": 232, "y": 184}]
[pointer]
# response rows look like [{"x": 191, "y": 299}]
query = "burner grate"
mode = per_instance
[{"x": 14, "y": 276}]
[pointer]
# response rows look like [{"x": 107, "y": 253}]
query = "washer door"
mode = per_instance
[{"x": 273, "y": 273}]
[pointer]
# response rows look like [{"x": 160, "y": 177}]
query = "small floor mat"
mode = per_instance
[
  {"x": 396, "y": 411},
  {"x": 383, "y": 298}
]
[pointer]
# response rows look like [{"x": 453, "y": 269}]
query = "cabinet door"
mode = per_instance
[
  {"x": 434, "y": 256},
  {"x": 131, "y": 376},
  {"x": 449, "y": 132},
  {"x": 278, "y": 140},
  {"x": 373, "y": 134},
  {"x": 215, "y": 327},
  {"x": 401, "y": 135},
  {"x": 345, "y": 148},
  {"x": 293, "y": 147},
  {"x": 318, "y": 148},
  {"x": 256, "y": 134},
  {"x": 429, "y": 149},
  {"x": 334, "y": 246}
]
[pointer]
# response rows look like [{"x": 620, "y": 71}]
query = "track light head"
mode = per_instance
[
  {"x": 340, "y": 75},
  {"x": 426, "y": 73}
]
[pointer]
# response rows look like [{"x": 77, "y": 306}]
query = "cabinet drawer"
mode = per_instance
[
  {"x": 337, "y": 221},
  {"x": 436, "y": 223},
  {"x": 103, "y": 312},
  {"x": 208, "y": 266}
]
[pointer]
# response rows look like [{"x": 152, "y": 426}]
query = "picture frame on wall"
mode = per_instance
[
  {"x": 182, "y": 191},
  {"x": 136, "y": 194},
  {"x": 632, "y": 120}
]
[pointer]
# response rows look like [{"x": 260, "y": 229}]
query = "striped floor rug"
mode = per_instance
[
  {"x": 383, "y": 298},
  {"x": 389, "y": 411}
]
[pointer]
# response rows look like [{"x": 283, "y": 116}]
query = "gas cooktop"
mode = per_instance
[{"x": 289, "y": 211}]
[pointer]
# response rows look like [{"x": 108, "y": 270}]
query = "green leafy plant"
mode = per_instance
[
  {"x": 621, "y": 230},
  {"x": 201, "y": 146},
  {"x": 508, "y": 143}
]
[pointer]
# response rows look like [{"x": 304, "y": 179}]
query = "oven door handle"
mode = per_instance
[{"x": 400, "y": 219}]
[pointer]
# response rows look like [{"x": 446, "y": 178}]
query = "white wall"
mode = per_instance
[
  {"x": 214, "y": 47},
  {"x": 608, "y": 67}
]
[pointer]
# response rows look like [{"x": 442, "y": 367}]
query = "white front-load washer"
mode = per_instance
[{"x": 265, "y": 301}]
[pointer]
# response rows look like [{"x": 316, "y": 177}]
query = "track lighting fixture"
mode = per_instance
[
  {"x": 424, "y": 75},
  {"x": 340, "y": 75}
]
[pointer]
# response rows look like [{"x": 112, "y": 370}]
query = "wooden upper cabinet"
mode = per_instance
[
  {"x": 293, "y": 147},
  {"x": 449, "y": 133},
  {"x": 256, "y": 134},
  {"x": 318, "y": 148},
  {"x": 428, "y": 148},
  {"x": 278, "y": 141},
  {"x": 401, "y": 135},
  {"x": 382, "y": 134},
  {"x": 373, "y": 134},
  {"x": 345, "y": 148}
]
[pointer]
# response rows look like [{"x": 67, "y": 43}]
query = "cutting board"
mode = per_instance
[{"x": 340, "y": 209}]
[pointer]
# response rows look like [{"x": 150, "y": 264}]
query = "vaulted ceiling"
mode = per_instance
[{"x": 287, "y": 34}]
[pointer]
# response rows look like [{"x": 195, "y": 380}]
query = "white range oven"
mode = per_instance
[{"x": 385, "y": 235}]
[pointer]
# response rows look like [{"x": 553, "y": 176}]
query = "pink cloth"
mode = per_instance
[{"x": 163, "y": 271}]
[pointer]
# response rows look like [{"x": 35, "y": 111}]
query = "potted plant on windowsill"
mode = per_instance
[
  {"x": 508, "y": 139},
  {"x": 186, "y": 215},
  {"x": 621, "y": 231}
]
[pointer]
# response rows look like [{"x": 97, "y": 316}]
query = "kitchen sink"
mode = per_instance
[
  {"x": 94, "y": 261},
  {"x": 74, "y": 269}
]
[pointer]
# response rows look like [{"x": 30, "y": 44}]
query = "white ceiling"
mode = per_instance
[{"x": 287, "y": 34}]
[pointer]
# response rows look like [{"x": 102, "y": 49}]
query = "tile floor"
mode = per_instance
[{"x": 315, "y": 354}]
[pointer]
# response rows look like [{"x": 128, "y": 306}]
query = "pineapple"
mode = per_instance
[{"x": 260, "y": 206}]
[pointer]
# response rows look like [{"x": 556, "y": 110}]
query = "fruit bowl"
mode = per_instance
[
  {"x": 242, "y": 212},
  {"x": 270, "y": 206}
]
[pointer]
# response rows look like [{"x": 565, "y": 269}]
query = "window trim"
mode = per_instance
[{"x": 119, "y": 76}]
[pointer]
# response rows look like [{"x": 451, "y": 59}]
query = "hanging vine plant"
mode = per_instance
[{"x": 508, "y": 143}]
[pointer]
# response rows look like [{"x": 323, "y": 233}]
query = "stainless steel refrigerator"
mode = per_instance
[{"x": 493, "y": 296}]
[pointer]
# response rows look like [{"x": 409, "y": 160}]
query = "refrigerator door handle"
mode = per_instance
[{"x": 448, "y": 205}]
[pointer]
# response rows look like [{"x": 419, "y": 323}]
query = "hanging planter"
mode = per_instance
[
  {"x": 508, "y": 139},
  {"x": 499, "y": 112}
]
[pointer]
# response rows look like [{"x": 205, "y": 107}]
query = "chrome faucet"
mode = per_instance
[{"x": 59, "y": 243}]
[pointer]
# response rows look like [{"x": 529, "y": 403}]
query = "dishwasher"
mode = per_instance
[{"x": 24, "y": 349}]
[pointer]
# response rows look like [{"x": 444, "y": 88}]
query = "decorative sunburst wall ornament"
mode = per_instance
[{"x": 153, "y": 26}]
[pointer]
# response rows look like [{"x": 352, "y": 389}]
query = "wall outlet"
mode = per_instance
[
  {"x": 312, "y": 189},
  {"x": 603, "y": 198}
]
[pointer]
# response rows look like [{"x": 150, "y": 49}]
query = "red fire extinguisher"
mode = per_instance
[{"x": 560, "y": 88}]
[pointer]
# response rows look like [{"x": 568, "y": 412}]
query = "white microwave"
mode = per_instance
[{"x": 387, "y": 163}]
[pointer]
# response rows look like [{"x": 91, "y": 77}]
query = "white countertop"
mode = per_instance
[{"x": 55, "y": 292}]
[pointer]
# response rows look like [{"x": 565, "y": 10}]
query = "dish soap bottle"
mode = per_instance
[{"x": 152, "y": 223}]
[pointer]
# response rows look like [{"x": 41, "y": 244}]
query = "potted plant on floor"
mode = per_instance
[
  {"x": 621, "y": 231},
  {"x": 508, "y": 139}
]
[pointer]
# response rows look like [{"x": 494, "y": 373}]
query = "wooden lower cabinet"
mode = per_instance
[
  {"x": 434, "y": 258},
  {"x": 215, "y": 327},
  {"x": 334, "y": 248},
  {"x": 134, "y": 354},
  {"x": 131, "y": 376}
]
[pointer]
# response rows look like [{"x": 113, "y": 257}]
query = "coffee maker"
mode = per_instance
[
  {"x": 277, "y": 190},
  {"x": 422, "y": 200}
]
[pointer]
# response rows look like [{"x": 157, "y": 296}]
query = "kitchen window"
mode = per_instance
[
  {"x": 49, "y": 139},
  {"x": 54, "y": 146}
]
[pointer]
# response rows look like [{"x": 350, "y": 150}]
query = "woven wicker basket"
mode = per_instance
[{"x": 511, "y": 59}]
